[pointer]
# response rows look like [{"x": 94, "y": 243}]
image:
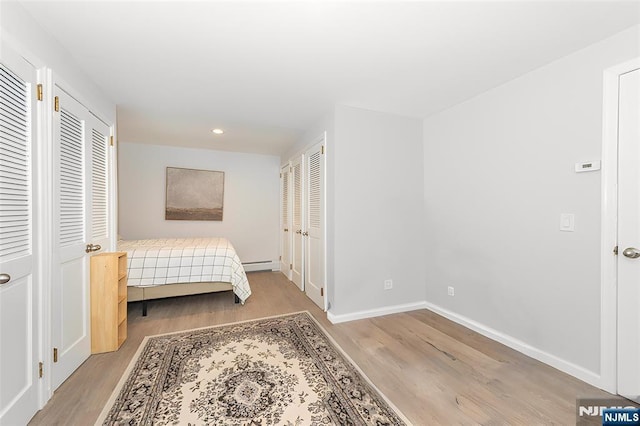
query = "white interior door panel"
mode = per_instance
[
  {"x": 314, "y": 220},
  {"x": 629, "y": 236},
  {"x": 297, "y": 257},
  {"x": 70, "y": 334},
  {"x": 19, "y": 290},
  {"x": 285, "y": 225}
]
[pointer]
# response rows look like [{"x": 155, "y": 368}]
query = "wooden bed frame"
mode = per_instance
[{"x": 143, "y": 294}]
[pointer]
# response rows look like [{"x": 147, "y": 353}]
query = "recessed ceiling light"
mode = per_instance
[{"x": 218, "y": 131}]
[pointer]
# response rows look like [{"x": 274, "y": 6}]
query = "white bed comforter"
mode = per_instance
[{"x": 184, "y": 260}]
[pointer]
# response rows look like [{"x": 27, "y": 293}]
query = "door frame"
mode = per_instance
[
  {"x": 45, "y": 237},
  {"x": 609, "y": 225}
]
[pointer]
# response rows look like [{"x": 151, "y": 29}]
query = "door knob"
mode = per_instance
[
  {"x": 286, "y": 230},
  {"x": 5, "y": 278},
  {"x": 299, "y": 231},
  {"x": 631, "y": 252},
  {"x": 93, "y": 247},
  {"x": 306, "y": 234}
]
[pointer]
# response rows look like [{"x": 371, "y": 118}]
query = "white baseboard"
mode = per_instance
[
  {"x": 265, "y": 265},
  {"x": 520, "y": 346},
  {"x": 387, "y": 310},
  {"x": 565, "y": 366}
]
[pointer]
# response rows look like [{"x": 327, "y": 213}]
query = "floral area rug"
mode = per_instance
[{"x": 279, "y": 370}]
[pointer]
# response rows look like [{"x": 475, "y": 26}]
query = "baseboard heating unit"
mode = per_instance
[{"x": 261, "y": 265}]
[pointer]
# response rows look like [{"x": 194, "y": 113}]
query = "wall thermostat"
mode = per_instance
[{"x": 588, "y": 166}]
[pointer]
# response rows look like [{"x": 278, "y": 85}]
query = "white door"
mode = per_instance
[
  {"x": 100, "y": 235},
  {"x": 285, "y": 224},
  {"x": 19, "y": 291},
  {"x": 70, "y": 328},
  {"x": 628, "y": 350},
  {"x": 314, "y": 220},
  {"x": 297, "y": 249}
]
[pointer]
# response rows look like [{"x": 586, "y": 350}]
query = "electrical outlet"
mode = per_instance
[
  {"x": 450, "y": 291},
  {"x": 388, "y": 284}
]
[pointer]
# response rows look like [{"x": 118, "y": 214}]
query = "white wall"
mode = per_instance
[
  {"x": 251, "y": 197},
  {"x": 376, "y": 211},
  {"x": 20, "y": 31},
  {"x": 499, "y": 171},
  {"x": 325, "y": 124}
]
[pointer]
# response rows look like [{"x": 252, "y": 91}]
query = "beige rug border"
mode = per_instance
[{"x": 132, "y": 363}]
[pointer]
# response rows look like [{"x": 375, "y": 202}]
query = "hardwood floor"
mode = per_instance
[{"x": 433, "y": 370}]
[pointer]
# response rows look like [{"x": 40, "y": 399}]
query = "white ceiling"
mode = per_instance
[{"x": 265, "y": 71}]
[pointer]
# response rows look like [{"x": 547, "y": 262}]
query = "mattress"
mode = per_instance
[{"x": 184, "y": 260}]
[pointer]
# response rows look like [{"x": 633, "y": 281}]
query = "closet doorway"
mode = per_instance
[
  {"x": 313, "y": 234},
  {"x": 20, "y": 292},
  {"x": 303, "y": 221},
  {"x": 628, "y": 260},
  {"x": 80, "y": 224},
  {"x": 285, "y": 221},
  {"x": 621, "y": 232}
]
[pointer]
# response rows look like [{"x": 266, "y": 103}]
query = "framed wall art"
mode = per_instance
[{"x": 194, "y": 194}]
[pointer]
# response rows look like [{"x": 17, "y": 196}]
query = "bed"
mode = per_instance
[{"x": 163, "y": 268}]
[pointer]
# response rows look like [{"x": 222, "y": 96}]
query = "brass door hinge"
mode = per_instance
[
  {"x": 40, "y": 369},
  {"x": 56, "y": 104},
  {"x": 322, "y": 291},
  {"x": 280, "y": 175},
  {"x": 111, "y": 140},
  {"x": 291, "y": 267},
  {"x": 40, "y": 92},
  {"x": 615, "y": 250},
  {"x": 55, "y": 354},
  {"x": 280, "y": 258},
  {"x": 322, "y": 149}
]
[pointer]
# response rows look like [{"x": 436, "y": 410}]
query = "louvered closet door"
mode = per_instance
[
  {"x": 72, "y": 226},
  {"x": 297, "y": 249},
  {"x": 98, "y": 133},
  {"x": 314, "y": 234},
  {"x": 285, "y": 225},
  {"x": 19, "y": 293}
]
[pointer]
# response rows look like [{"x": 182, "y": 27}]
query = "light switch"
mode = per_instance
[{"x": 567, "y": 222}]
